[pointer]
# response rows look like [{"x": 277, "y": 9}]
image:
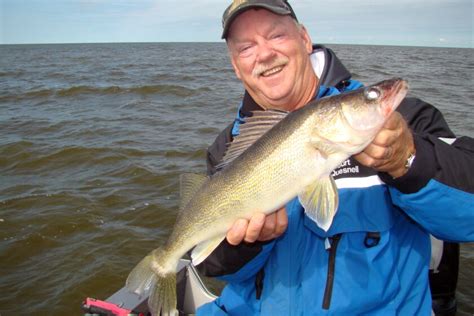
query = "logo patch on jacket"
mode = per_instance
[{"x": 350, "y": 168}]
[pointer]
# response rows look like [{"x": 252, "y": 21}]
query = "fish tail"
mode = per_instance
[
  {"x": 163, "y": 296},
  {"x": 149, "y": 278}
]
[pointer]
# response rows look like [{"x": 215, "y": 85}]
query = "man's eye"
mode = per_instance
[
  {"x": 245, "y": 49},
  {"x": 277, "y": 36}
]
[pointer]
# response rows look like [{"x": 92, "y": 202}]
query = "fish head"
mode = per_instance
[
  {"x": 356, "y": 117},
  {"x": 368, "y": 108}
]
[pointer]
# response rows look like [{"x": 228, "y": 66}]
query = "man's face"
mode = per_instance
[{"x": 269, "y": 54}]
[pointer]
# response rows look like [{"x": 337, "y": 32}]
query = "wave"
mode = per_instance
[
  {"x": 209, "y": 130},
  {"x": 74, "y": 91},
  {"x": 11, "y": 154},
  {"x": 13, "y": 74},
  {"x": 80, "y": 90},
  {"x": 164, "y": 89},
  {"x": 26, "y": 157},
  {"x": 199, "y": 153}
]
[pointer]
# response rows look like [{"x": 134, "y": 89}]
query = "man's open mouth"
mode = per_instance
[{"x": 272, "y": 71}]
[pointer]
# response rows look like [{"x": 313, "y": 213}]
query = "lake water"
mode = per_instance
[{"x": 95, "y": 136}]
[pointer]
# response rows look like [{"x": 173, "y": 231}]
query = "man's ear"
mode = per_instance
[
  {"x": 306, "y": 39},
  {"x": 234, "y": 65}
]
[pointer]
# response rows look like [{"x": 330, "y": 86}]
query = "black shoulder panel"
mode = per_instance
[
  {"x": 228, "y": 259},
  {"x": 450, "y": 164},
  {"x": 216, "y": 151},
  {"x": 334, "y": 71},
  {"x": 424, "y": 118}
]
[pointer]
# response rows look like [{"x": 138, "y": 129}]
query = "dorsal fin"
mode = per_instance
[
  {"x": 189, "y": 184},
  {"x": 252, "y": 129}
]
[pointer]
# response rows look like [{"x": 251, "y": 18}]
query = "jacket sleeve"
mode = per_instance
[
  {"x": 228, "y": 261},
  {"x": 438, "y": 189}
]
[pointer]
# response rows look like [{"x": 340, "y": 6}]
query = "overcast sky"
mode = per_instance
[{"x": 387, "y": 22}]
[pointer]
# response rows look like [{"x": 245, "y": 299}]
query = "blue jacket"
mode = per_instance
[{"x": 374, "y": 259}]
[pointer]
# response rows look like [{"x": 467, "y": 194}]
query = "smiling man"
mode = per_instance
[
  {"x": 406, "y": 184},
  {"x": 270, "y": 56}
]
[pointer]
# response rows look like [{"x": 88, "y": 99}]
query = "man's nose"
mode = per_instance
[{"x": 265, "y": 52}]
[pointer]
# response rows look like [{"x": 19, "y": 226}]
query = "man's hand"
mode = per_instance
[
  {"x": 260, "y": 227},
  {"x": 390, "y": 149}
]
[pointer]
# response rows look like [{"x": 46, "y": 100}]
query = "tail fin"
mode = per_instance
[
  {"x": 163, "y": 296},
  {"x": 142, "y": 278},
  {"x": 147, "y": 279}
]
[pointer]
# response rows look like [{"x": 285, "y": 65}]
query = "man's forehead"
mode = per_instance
[{"x": 266, "y": 21}]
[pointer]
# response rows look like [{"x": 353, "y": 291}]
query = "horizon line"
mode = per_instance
[{"x": 222, "y": 42}]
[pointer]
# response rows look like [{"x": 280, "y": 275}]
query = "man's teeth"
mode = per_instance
[{"x": 272, "y": 71}]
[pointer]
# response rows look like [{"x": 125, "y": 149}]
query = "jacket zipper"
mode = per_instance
[{"x": 331, "y": 270}]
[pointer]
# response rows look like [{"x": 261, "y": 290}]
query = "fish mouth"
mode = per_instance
[
  {"x": 380, "y": 101},
  {"x": 395, "y": 91}
]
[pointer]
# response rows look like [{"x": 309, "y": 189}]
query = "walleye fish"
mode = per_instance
[{"x": 276, "y": 157}]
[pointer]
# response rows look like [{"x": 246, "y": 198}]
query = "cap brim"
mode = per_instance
[{"x": 233, "y": 16}]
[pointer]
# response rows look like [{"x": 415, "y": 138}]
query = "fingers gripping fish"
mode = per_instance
[{"x": 276, "y": 157}]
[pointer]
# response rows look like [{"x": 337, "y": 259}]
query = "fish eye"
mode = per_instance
[{"x": 372, "y": 93}]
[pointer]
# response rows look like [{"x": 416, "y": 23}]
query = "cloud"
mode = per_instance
[
  {"x": 403, "y": 22},
  {"x": 409, "y": 22}
]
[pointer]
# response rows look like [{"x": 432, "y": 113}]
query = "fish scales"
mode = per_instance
[
  {"x": 271, "y": 164},
  {"x": 293, "y": 158}
]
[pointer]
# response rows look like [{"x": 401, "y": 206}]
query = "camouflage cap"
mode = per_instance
[{"x": 281, "y": 7}]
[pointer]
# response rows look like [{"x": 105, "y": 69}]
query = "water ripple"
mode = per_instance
[{"x": 95, "y": 136}]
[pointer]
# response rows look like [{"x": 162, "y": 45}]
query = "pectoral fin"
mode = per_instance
[
  {"x": 204, "y": 249},
  {"x": 320, "y": 201}
]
